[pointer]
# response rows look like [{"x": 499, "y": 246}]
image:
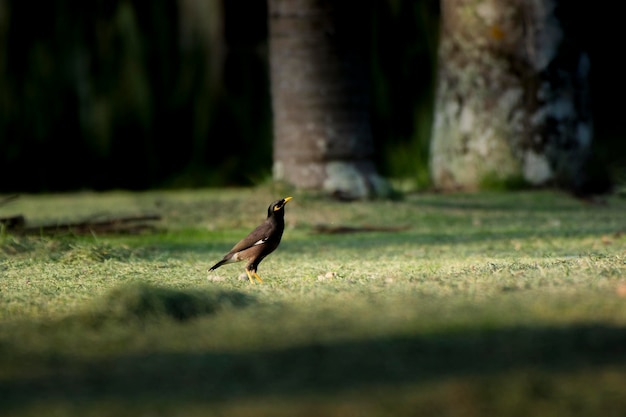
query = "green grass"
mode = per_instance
[{"x": 487, "y": 304}]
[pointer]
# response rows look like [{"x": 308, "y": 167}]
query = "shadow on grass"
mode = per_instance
[
  {"x": 319, "y": 368},
  {"x": 368, "y": 240},
  {"x": 141, "y": 302},
  {"x": 448, "y": 221},
  {"x": 156, "y": 251},
  {"x": 515, "y": 203}
]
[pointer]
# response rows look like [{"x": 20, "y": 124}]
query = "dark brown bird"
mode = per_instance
[{"x": 260, "y": 242}]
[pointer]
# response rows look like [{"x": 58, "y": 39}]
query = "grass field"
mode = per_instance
[{"x": 503, "y": 304}]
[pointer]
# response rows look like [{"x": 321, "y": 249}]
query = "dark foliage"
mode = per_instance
[{"x": 129, "y": 94}]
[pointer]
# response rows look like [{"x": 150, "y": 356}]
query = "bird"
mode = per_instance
[{"x": 260, "y": 242}]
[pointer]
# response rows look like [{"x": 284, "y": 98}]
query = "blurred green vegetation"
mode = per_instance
[{"x": 173, "y": 93}]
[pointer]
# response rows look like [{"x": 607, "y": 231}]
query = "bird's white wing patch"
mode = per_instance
[{"x": 260, "y": 242}]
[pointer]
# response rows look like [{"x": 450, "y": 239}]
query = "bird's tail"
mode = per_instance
[{"x": 217, "y": 265}]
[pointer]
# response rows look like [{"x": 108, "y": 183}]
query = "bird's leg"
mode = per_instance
[{"x": 249, "y": 273}]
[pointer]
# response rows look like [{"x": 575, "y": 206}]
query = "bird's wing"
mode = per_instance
[{"x": 257, "y": 237}]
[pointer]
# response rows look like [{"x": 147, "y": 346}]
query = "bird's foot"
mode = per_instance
[
  {"x": 258, "y": 278},
  {"x": 252, "y": 275}
]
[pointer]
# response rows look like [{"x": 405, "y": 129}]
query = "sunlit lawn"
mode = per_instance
[{"x": 479, "y": 304}]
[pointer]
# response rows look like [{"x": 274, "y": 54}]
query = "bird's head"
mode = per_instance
[{"x": 278, "y": 206}]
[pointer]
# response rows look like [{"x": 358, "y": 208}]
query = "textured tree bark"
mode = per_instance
[
  {"x": 512, "y": 99},
  {"x": 322, "y": 133}
]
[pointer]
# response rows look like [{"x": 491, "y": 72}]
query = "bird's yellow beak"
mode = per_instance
[{"x": 285, "y": 201}]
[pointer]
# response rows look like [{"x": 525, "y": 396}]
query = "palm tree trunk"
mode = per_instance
[
  {"x": 322, "y": 133},
  {"x": 512, "y": 101}
]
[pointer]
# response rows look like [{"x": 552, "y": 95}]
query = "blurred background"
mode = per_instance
[{"x": 174, "y": 93}]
